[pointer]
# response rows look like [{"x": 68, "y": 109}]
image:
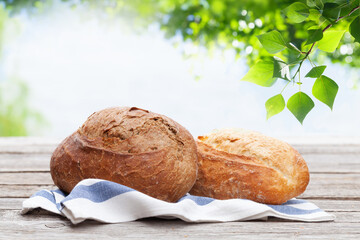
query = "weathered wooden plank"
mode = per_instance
[
  {"x": 319, "y": 145},
  {"x": 43, "y": 233},
  {"x": 340, "y": 163},
  {"x": 27, "y": 178},
  {"x": 23, "y": 149},
  {"x": 303, "y": 144},
  {"x": 294, "y": 140},
  {"x": 331, "y": 186},
  {"x": 326, "y": 162},
  {"x": 168, "y": 235},
  {"x": 326, "y": 236},
  {"x": 328, "y": 158},
  {"x": 42, "y": 215},
  {"x": 284, "y": 236},
  {"x": 11, "y": 203},
  {"x": 44, "y": 178},
  {"x": 12, "y": 162},
  {"x": 329, "y": 149},
  {"x": 43, "y": 225},
  {"x": 22, "y": 191},
  {"x": 28, "y": 141},
  {"x": 337, "y": 205},
  {"x": 321, "y": 140},
  {"x": 28, "y": 144}
]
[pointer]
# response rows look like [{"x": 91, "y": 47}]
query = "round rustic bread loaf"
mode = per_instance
[
  {"x": 134, "y": 147},
  {"x": 236, "y": 163}
]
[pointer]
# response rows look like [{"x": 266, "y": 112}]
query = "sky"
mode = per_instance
[{"x": 76, "y": 64}]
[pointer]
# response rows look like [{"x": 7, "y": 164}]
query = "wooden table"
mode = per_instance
[{"x": 334, "y": 164}]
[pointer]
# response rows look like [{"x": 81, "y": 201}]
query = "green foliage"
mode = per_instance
[
  {"x": 261, "y": 73},
  {"x": 325, "y": 90},
  {"x": 283, "y": 34},
  {"x": 300, "y": 104},
  {"x": 219, "y": 23},
  {"x": 354, "y": 29},
  {"x": 297, "y": 12},
  {"x": 315, "y": 72},
  {"x": 331, "y": 11},
  {"x": 314, "y": 35},
  {"x": 272, "y": 41},
  {"x": 274, "y": 105},
  {"x": 315, "y": 4},
  {"x": 16, "y": 116},
  {"x": 330, "y": 40},
  {"x": 3, "y": 19}
]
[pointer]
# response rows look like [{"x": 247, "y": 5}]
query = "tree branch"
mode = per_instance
[
  {"x": 326, "y": 28},
  {"x": 329, "y": 26}
]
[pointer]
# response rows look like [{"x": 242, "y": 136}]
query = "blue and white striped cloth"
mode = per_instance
[{"x": 111, "y": 202}]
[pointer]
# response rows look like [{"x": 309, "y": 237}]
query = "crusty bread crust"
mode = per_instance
[
  {"x": 245, "y": 164},
  {"x": 137, "y": 148}
]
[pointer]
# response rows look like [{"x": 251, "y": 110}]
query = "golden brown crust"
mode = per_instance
[
  {"x": 137, "y": 148},
  {"x": 245, "y": 164}
]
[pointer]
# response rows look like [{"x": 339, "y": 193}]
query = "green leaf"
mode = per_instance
[
  {"x": 331, "y": 11},
  {"x": 348, "y": 6},
  {"x": 300, "y": 104},
  {"x": 272, "y": 41},
  {"x": 316, "y": 72},
  {"x": 281, "y": 69},
  {"x": 274, "y": 105},
  {"x": 314, "y": 15},
  {"x": 315, "y": 3},
  {"x": 297, "y": 12},
  {"x": 330, "y": 40},
  {"x": 355, "y": 29},
  {"x": 314, "y": 35},
  {"x": 261, "y": 73},
  {"x": 325, "y": 89}
]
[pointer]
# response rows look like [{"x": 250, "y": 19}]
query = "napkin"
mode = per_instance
[{"x": 110, "y": 202}]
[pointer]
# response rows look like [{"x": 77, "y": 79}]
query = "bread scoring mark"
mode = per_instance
[
  {"x": 139, "y": 109},
  {"x": 113, "y": 134},
  {"x": 234, "y": 140}
]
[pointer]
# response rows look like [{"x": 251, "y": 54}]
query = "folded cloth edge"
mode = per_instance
[{"x": 111, "y": 202}]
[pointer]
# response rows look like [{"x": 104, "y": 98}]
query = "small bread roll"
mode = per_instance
[
  {"x": 236, "y": 163},
  {"x": 131, "y": 146}
]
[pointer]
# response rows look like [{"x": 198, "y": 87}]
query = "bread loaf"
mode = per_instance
[
  {"x": 134, "y": 147},
  {"x": 235, "y": 163}
]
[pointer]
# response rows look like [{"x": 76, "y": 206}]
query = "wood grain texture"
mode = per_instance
[
  {"x": 18, "y": 162},
  {"x": 305, "y": 145},
  {"x": 44, "y": 225},
  {"x": 22, "y": 191},
  {"x": 11, "y": 203},
  {"x": 334, "y": 186},
  {"x": 326, "y": 162},
  {"x": 26, "y": 178},
  {"x": 28, "y": 144},
  {"x": 333, "y": 163}
]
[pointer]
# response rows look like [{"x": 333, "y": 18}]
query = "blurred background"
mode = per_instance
[{"x": 62, "y": 60}]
